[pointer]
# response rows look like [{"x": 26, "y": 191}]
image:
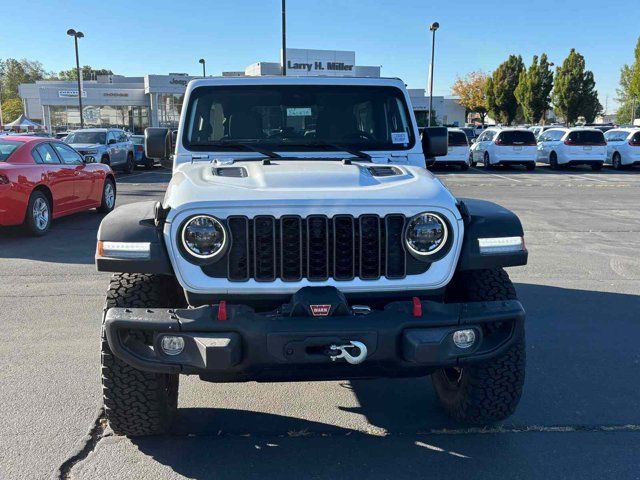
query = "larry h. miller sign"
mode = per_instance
[{"x": 332, "y": 63}]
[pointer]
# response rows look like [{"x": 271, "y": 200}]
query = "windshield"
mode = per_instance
[
  {"x": 293, "y": 117},
  {"x": 87, "y": 137},
  {"x": 7, "y": 148}
]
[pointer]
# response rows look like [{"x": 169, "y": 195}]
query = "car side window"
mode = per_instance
[
  {"x": 47, "y": 154},
  {"x": 111, "y": 136},
  {"x": 610, "y": 136},
  {"x": 69, "y": 155},
  {"x": 543, "y": 138},
  {"x": 490, "y": 136},
  {"x": 122, "y": 137}
]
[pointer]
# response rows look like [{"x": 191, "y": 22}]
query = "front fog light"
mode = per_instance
[
  {"x": 464, "y": 338},
  {"x": 172, "y": 345}
]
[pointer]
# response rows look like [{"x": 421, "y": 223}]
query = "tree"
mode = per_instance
[
  {"x": 472, "y": 90},
  {"x": 14, "y": 72},
  {"x": 88, "y": 73},
  {"x": 629, "y": 89},
  {"x": 574, "y": 92},
  {"x": 534, "y": 89},
  {"x": 501, "y": 98},
  {"x": 11, "y": 109}
]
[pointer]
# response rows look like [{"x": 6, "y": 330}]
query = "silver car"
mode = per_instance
[{"x": 111, "y": 146}]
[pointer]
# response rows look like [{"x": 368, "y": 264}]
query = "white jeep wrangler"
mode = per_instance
[{"x": 301, "y": 238}]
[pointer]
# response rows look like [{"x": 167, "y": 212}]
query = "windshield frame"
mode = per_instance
[{"x": 280, "y": 145}]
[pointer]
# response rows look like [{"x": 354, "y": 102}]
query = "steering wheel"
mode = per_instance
[{"x": 359, "y": 134}]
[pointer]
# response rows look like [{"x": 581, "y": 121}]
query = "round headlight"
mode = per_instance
[
  {"x": 203, "y": 236},
  {"x": 426, "y": 234}
]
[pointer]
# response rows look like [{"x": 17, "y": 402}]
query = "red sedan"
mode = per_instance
[{"x": 42, "y": 179}]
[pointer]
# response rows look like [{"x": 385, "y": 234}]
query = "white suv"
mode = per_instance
[
  {"x": 458, "y": 150},
  {"x": 623, "y": 147},
  {"x": 505, "y": 146},
  {"x": 572, "y": 146}
]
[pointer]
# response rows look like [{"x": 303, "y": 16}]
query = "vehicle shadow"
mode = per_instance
[
  {"x": 71, "y": 239},
  {"x": 582, "y": 371}
]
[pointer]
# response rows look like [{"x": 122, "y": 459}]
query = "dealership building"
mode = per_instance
[{"x": 134, "y": 103}]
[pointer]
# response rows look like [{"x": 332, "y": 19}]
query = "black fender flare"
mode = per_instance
[
  {"x": 485, "y": 219},
  {"x": 135, "y": 222}
]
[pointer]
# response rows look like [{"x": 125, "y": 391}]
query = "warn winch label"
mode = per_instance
[{"x": 320, "y": 310}]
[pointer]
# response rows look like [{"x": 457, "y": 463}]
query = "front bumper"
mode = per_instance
[{"x": 251, "y": 346}]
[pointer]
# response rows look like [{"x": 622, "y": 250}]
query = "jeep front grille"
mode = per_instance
[{"x": 317, "y": 248}]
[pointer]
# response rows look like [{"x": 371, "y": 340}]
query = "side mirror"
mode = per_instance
[
  {"x": 435, "y": 142},
  {"x": 88, "y": 159},
  {"x": 158, "y": 145},
  {"x": 473, "y": 140},
  {"x": 111, "y": 141}
]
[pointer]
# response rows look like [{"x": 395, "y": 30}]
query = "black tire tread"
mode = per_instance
[
  {"x": 490, "y": 391},
  {"x": 103, "y": 208},
  {"x": 137, "y": 402}
]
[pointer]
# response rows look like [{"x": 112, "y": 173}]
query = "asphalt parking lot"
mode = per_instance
[{"x": 579, "y": 416}]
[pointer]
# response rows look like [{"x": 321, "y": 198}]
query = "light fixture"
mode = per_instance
[{"x": 495, "y": 245}]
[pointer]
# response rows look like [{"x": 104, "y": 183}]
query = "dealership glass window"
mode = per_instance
[
  {"x": 169, "y": 109},
  {"x": 132, "y": 118}
]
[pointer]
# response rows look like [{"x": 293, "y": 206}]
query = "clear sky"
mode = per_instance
[{"x": 161, "y": 36}]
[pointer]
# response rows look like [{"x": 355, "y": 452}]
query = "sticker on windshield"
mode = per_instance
[
  {"x": 399, "y": 137},
  {"x": 299, "y": 112}
]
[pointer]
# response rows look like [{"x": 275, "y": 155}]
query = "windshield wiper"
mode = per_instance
[
  {"x": 351, "y": 151},
  {"x": 238, "y": 145}
]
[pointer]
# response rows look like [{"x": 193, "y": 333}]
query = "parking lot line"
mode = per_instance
[{"x": 496, "y": 175}]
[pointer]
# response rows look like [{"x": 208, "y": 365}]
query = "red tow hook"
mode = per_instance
[
  {"x": 417, "y": 307},
  {"x": 222, "y": 311}
]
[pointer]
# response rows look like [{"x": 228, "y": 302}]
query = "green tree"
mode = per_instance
[
  {"x": 574, "y": 92},
  {"x": 534, "y": 89},
  {"x": 88, "y": 73},
  {"x": 11, "y": 109},
  {"x": 490, "y": 99},
  {"x": 14, "y": 72},
  {"x": 504, "y": 80},
  {"x": 629, "y": 89}
]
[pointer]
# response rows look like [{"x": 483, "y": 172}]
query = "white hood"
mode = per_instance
[{"x": 303, "y": 182}]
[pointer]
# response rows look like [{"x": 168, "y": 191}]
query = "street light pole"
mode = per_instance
[
  {"x": 76, "y": 35},
  {"x": 284, "y": 39},
  {"x": 204, "y": 71},
  {"x": 434, "y": 26}
]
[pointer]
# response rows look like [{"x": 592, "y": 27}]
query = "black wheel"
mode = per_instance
[
  {"x": 472, "y": 162},
  {"x": 616, "y": 161},
  {"x": 596, "y": 167},
  {"x": 148, "y": 163},
  {"x": 484, "y": 393},
  {"x": 105, "y": 160},
  {"x": 487, "y": 161},
  {"x": 108, "y": 196},
  {"x": 531, "y": 166},
  {"x": 130, "y": 165},
  {"x": 38, "y": 217},
  {"x": 464, "y": 166},
  {"x": 553, "y": 161},
  {"x": 138, "y": 402}
]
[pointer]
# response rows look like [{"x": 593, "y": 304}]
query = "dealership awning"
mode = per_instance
[{"x": 23, "y": 122}]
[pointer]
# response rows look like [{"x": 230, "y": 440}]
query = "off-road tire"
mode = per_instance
[
  {"x": 106, "y": 205},
  {"x": 137, "y": 402},
  {"x": 487, "y": 392}
]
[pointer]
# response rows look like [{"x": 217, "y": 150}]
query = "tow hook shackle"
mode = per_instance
[{"x": 342, "y": 351}]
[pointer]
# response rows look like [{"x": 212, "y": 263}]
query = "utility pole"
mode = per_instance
[
  {"x": 76, "y": 35},
  {"x": 434, "y": 26},
  {"x": 284, "y": 39}
]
